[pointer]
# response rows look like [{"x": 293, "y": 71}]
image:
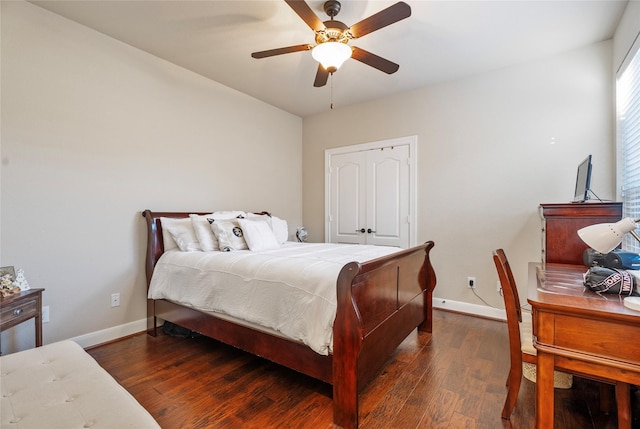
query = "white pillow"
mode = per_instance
[
  {"x": 229, "y": 235},
  {"x": 258, "y": 234},
  {"x": 280, "y": 229},
  {"x": 278, "y": 226},
  {"x": 255, "y": 216},
  {"x": 181, "y": 230},
  {"x": 228, "y": 214},
  {"x": 167, "y": 240},
  {"x": 202, "y": 227}
]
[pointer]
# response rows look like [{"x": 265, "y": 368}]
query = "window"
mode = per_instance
[{"x": 628, "y": 111}]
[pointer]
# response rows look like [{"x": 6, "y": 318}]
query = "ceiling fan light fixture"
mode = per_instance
[
  {"x": 332, "y": 38},
  {"x": 331, "y": 55}
]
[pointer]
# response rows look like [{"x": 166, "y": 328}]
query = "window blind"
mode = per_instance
[{"x": 628, "y": 111}]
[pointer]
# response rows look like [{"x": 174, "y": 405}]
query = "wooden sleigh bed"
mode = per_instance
[{"x": 379, "y": 303}]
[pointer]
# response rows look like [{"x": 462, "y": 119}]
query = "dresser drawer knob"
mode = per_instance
[{"x": 17, "y": 311}]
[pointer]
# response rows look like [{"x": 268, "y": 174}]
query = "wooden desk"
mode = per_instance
[
  {"x": 579, "y": 331},
  {"x": 20, "y": 307}
]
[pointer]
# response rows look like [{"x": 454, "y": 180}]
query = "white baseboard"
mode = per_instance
[
  {"x": 110, "y": 334},
  {"x": 472, "y": 309}
]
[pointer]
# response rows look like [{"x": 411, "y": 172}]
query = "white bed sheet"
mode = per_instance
[{"x": 291, "y": 289}]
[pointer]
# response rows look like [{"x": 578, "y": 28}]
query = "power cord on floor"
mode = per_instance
[
  {"x": 525, "y": 307},
  {"x": 481, "y": 299}
]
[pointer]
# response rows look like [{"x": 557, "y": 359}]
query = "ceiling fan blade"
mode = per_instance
[
  {"x": 304, "y": 11},
  {"x": 374, "y": 61},
  {"x": 388, "y": 16},
  {"x": 322, "y": 76},
  {"x": 280, "y": 51}
]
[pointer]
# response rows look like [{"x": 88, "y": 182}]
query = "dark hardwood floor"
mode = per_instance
[{"x": 454, "y": 378}]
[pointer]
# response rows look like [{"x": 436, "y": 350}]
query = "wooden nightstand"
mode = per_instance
[{"x": 20, "y": 307}]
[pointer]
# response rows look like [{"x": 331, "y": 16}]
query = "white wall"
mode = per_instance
[
  {"x": 485, "y": 158},
  {"x": 627, "y": 33},
  {"x": 93, "y": 132}
]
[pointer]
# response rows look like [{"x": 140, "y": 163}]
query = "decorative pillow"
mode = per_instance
[
  {"x": 258, "y": 234},
  {"x": 229, "y": 235},
  {"x": 202, "y": 227},
  {"x": 181, "y": 230},
  {"x": 280, "y": 229}
]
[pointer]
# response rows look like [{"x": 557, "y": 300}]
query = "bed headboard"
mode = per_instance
[{"x": 155, "y": 245}]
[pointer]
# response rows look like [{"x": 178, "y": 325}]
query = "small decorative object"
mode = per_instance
[
  {"x": 7, "y": 276},
  {"x": 8, "y": 270},
  {"x": 21, "y": 281}
]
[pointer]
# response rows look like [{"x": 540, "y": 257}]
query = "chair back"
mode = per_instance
[
  {"x": 511, "y": 305},
  {"x": 512, "y": 282}
]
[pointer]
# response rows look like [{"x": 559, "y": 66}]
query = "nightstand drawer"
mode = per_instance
[
  {"x": 20, "y": 307},
  {"x": 15, "y": 313}
]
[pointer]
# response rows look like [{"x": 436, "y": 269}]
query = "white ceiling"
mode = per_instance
[{"x": 441, "y": 41}]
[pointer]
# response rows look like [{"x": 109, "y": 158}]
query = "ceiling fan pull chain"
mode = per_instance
[{"x": 331, "y": 91}]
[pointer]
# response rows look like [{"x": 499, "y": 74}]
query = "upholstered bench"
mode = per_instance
[{"x": 61, "y": 386}]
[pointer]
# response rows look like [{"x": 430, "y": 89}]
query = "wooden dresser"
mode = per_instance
[{"x": 560, "y": 225}]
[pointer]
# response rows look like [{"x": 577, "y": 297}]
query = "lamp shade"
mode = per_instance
[
  {"x": 331, "y": 55},
  {"x": 604, "y": 237}
]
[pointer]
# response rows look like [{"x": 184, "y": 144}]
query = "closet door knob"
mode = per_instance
[
  {"x": 361, "y": 230},
  {"x": 370, "y": 231}
]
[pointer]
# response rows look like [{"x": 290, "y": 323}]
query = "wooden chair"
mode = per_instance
[{"x": 522, "y": 352}]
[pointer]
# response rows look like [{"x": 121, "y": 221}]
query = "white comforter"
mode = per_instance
[{"x": 291, "y": 289}]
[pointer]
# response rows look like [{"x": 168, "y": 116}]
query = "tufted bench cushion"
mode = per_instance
[{"x": 61, "y": 386}]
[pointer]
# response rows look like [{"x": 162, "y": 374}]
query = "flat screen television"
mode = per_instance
[{"x": 583, "y": 181}]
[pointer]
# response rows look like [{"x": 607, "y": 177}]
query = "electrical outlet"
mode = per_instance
[
  {"x": 45, "y": 314},
  {"x": 471, "y": 282},
  {"x": 115, "y": 299}
]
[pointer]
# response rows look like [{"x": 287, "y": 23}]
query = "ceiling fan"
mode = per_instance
[{"x": 332, "y": 38}]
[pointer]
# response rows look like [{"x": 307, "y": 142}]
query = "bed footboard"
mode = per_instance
[{"x": 379, "y": 304}]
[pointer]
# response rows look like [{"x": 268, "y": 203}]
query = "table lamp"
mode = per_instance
[{"x": 604, "y": 237}]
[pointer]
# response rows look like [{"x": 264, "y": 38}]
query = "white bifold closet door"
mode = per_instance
[{"x": 370, "y": 197}]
